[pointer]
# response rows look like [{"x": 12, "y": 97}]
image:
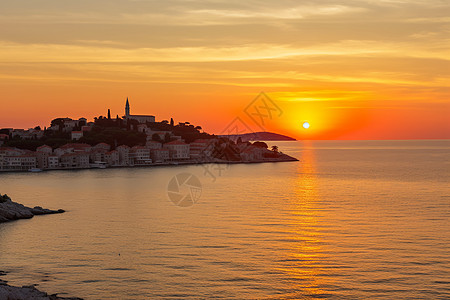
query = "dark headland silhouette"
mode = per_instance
[{"x": 260, "y": 136}]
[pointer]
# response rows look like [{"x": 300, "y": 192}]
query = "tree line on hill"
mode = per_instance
[{"x": 110, "y": 131}]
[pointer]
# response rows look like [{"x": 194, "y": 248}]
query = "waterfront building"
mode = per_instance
[
  {"x": 140, "y": 155},
  {"x": 159, "y": 155},
  {"x": 198, "y": 148},
  {"x": 112, "y": 158},
  {"x": 22, "y": 162},
  {"x": 53, "y": 162},
  {"x": 177, "y": 149},
  {"x": 42, "y": 154},
  {"x": 124, "y": 155},
  {"x": 75, "y": 160}
]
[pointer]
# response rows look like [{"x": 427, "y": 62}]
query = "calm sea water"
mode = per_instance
[{"x": 351, "y": 220}]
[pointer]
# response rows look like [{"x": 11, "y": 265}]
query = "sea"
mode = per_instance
[{"x": 349, "y": 220}]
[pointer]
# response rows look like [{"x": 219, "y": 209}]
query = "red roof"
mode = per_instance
[
  {"x": 102, "y": 144},
  {"x": 43, "y": 146},
  {"x": 75, "y": 145},
  {"x": 176, "y": 142},
  {"x": 74, "y": 154},
  {"x": 138, "y": 147}
]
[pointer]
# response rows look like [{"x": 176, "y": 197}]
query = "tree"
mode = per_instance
[
  {"x": 260, "y": 145},
  {"x": 171, "y": 122},
  {"x": 275, "y": 148},
  {"x": 167, "y": 138},
  {"x": 37, "y": 128},
  {"x": 156, "y": 137},
  {"x": 109, "y": 114}
]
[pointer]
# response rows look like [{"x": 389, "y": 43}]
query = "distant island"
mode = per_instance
[
  {"x": 260, "y": 136},
  {"x": 128, "y": 141}
]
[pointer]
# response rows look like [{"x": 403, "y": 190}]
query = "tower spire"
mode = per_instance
[{"x": 127, "y": 108}]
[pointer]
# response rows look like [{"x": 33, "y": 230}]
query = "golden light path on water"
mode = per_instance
[{"x": 306, "y": 252}]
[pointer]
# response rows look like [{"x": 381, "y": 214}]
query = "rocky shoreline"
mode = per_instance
[
  {"x": 26, "y": 292},
  {"x": 10, "y": 211}
]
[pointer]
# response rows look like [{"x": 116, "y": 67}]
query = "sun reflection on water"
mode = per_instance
[{"x": 305, "y": 254}]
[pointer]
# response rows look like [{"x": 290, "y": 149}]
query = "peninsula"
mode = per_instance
[
  {"x": 127, "y": 141},
  {"x": 260, "y": 136}
]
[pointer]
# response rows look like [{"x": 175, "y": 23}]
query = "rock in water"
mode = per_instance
[
  {"x": 27, "y": 292},
  {"x": 10, "y": 210}
]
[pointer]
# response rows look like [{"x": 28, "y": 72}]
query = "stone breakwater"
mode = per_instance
[{"x": 10, "y": 211}]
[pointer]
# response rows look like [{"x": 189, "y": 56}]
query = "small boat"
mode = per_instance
[
  {"x": 99, "y": 165},
  {"x": 35, "y": 170}
]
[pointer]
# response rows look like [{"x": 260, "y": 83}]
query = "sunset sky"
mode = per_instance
[{"x": 353, "y": 69}]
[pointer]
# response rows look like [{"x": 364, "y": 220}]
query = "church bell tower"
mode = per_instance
[{"x": 127, "y": 109}]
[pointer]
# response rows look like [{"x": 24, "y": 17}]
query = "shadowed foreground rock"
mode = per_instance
[
  {"x": 10, "y": 211},
  {"x": 26, "y": 292}
]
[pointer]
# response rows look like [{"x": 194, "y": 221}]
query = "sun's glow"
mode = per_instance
[{"x": 305, "y": 125}]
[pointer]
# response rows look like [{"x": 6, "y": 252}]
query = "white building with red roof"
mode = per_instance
[
  {"x": 42, "y": 154},
  {"x": 140, "y": 155},
  {"x": 124, "y": 155},
  {"x": 112, "y": 158},
  {"x": 159, "y": 155},
  {"x": 75, "y": 160},
  {"x": 199, "y": 147},
  {"x": 73, "y": 148},
  {"x": 177, "y": 149}
]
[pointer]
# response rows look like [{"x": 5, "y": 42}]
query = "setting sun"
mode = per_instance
[{"x": 224, "y": 148}]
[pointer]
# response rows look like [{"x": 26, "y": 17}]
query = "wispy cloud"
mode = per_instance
[{"x": 15, "y": 52}]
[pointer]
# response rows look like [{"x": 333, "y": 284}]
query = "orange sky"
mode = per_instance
[{"x": 361, "y": 69}]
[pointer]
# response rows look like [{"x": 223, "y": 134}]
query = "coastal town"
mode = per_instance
[{"x": 131, "y": 140}]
